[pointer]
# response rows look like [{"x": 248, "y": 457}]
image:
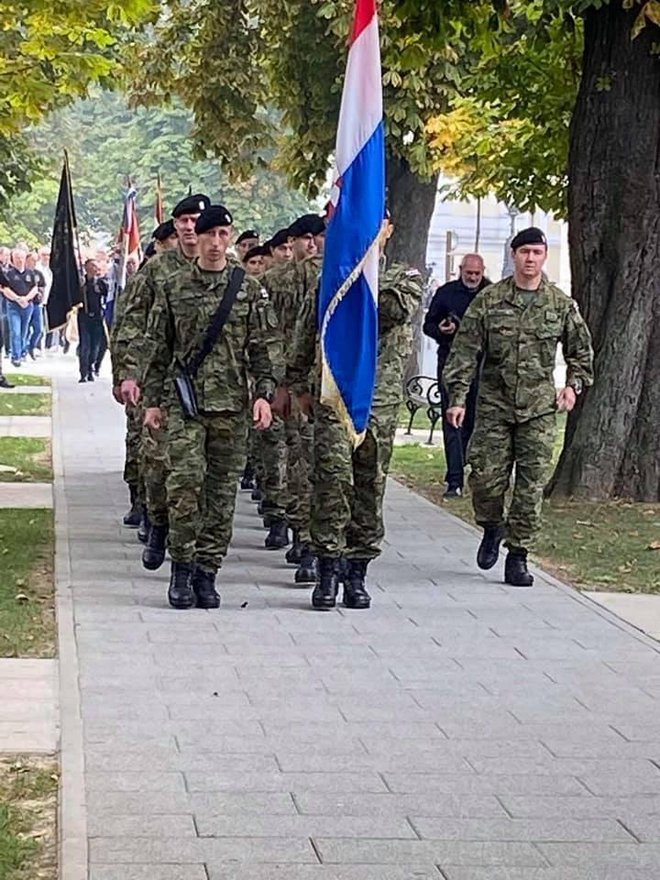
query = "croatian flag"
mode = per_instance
[{"x": 348, "y": 303}]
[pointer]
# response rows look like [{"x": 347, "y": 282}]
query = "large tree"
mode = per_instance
[
  {"x": 107, "y": 142},
  {"x": 611, "y": 166},
  {"x": 49, "y": 55},
  {"x": 228, "y": 61}
]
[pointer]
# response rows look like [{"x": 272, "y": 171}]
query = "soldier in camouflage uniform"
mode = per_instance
[
  {"x": 206, "y": 453},
  {"x": 289, "y": 286},
  {"x": 349, "y": 484},
  {"x": 128, "y": 364},
  {"x": 516, "y": 325},
  {"x": 164, "y": 238}
]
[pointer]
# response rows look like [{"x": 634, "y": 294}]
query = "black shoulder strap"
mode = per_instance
[{"x": 218, "y": 321}]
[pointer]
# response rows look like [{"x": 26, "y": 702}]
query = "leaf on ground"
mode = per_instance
[
  {"x": 21, "y": 597},
  {"x": 654, "y": 545}
]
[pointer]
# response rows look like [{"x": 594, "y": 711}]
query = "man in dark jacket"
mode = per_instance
[
  {"x": 91, "y": 326},
  {"x": 443, "y": 318}
]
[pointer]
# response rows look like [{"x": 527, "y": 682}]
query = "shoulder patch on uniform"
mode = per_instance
[
  {"x": 263, "y": 293},
  {"x": 413, "y": 273}
]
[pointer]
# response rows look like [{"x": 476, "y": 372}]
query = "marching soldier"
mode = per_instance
[
  {"x": 516, "y": 325},
  {"x": 206, "y": 452},
  {"x": 128, "y": 363},
  {"x": 349, "y": 484}
]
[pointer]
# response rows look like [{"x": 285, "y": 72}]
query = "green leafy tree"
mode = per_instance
[
  {"x": 611, "y": 165},
  {"x": 107, "y": 141},
  {"x": 49, "y": 55},
  {"x": 227, "y": 61}
]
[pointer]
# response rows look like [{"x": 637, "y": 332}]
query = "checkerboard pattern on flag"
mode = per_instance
[{"x": 348, "y": 303}]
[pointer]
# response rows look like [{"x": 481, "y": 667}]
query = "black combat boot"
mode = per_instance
[
  {"x": 278, "y": 536},
  {"x": 324, "y": 595},
  {"x": 134, "y": 515},
  {"x": 355, "y": 593},
  {"x": 257, "y": 494},
  {"x": 180, "y": 593},
  {"x": 489, "y": 549},
  {"x": 247, "y": 480},
  {"x": 153, "y": 554},
  {"x": 144, "y": 528},
  {"x": 294, "y": 553},
  {"x": 306, "y": 573},
  {"x": 203, "y": 584},
  {"x": 515, "y": 569}
]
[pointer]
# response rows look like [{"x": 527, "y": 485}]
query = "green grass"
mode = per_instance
[
  {"x": 26, "y": 379},
  {"x": 27, "y": 618},
  {"x": 602, "y": 546},
  {"x": 420, "y": 422},
  {"x": 29, "y": 457},
  {"x": 28, "y": 804},
  {"x": 24, "y": 404}
]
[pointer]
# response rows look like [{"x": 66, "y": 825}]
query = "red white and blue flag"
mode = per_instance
[{"x": 348, "y": 302}]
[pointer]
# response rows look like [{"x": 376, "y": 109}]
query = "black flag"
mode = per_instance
[{"x": 65, "y": 290}]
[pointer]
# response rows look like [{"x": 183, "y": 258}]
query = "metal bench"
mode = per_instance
[{"x": 423, "y": 392}]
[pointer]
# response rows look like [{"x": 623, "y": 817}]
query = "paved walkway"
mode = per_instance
[
  {"x": 26, "y": 495},
  {"x": 28, "y": 711},
  {"x": 460, "y": 730},
  {"x": 27, "y": 389},
  {"x": 25, "y": 426}
]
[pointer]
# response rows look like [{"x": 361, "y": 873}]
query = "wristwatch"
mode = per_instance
[{"x": 576, "y": 385}]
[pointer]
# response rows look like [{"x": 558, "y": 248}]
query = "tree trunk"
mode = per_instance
[
  {"x": 411, "y": 200},
  {"x": 613, "y": 439}
]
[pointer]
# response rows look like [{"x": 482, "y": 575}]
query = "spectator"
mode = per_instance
[
  {"x": 4, "y": 319},
  {"x": 19, "y": 287},
  {"x": 91, "y": 326},
  {"x": 442, "y": 320},
  {"x": 36, "y": 327}
]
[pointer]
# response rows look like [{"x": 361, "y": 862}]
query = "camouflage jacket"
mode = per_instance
[
  {"x": 288, "y": 286},
  {"x": 133, "y": 307},
  {"x": 519, "y": 346},
  {"x": 400, "y": 294},
  {"x": 248, "y": 345}
]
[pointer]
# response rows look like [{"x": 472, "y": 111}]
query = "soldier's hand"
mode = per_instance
[
  {"x": 116, "y": 393},
  {"x": 153, "y": 418},
  {"x": 306, "y": 402},
  {"x": 261, "y": 414},
  {"x": 566, "y": 399},
  {"x": 281, "y": 404},
  {"x": 130, "y": 392},
  {"x": 456, "y": 416}
]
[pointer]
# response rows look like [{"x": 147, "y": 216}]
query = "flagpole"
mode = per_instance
[{"x": 72, "y": 208}]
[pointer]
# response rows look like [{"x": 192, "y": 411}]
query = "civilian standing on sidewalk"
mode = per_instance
[
  {"x": 91, "y": 326},
  {"x": 441, "y": 323}
]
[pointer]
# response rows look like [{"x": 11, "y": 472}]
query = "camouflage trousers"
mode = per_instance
[
  {"x": 299, "y": 466},
  {"x": 349, "y": 485},
  {"x": 155, "y": 462},
  {"x": 206, "y": 456},
  {"x": 497, "y": 445},
  {"x": 132, "y": 462},
  {"x": 270, "y": 451}
]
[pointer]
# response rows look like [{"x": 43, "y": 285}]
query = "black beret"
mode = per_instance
[
  {"x": 215, "y": 215},
  {"x": 248, "y": 234},
  {"x": 192, "y": 205},
  {"x": 258, "y": 251},
  {"x": 528, "y": 236},
  {"x": 149, "y": 251},
  {"x": 164, "y": 231},
  {"x": 308, "y": 224},
  {"x": 281, "y": 237}
]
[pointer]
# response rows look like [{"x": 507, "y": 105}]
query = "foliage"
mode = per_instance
[
  {"x": 50, "y": 53},
  {"x": 507, "y": 134},
  {"x": 257, "y": 53},
  {"x": 107, "y": 141},
  {"x": 507, "y": 131}
]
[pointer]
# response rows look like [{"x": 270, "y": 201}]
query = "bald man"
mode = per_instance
[{"x": 443, "y": 318}]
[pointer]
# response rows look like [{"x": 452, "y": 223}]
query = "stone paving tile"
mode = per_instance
[
  {"x": 514, "y": 729},
  {"x": 26, "y": 495},
  {"x": 25, "y": 426}
]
